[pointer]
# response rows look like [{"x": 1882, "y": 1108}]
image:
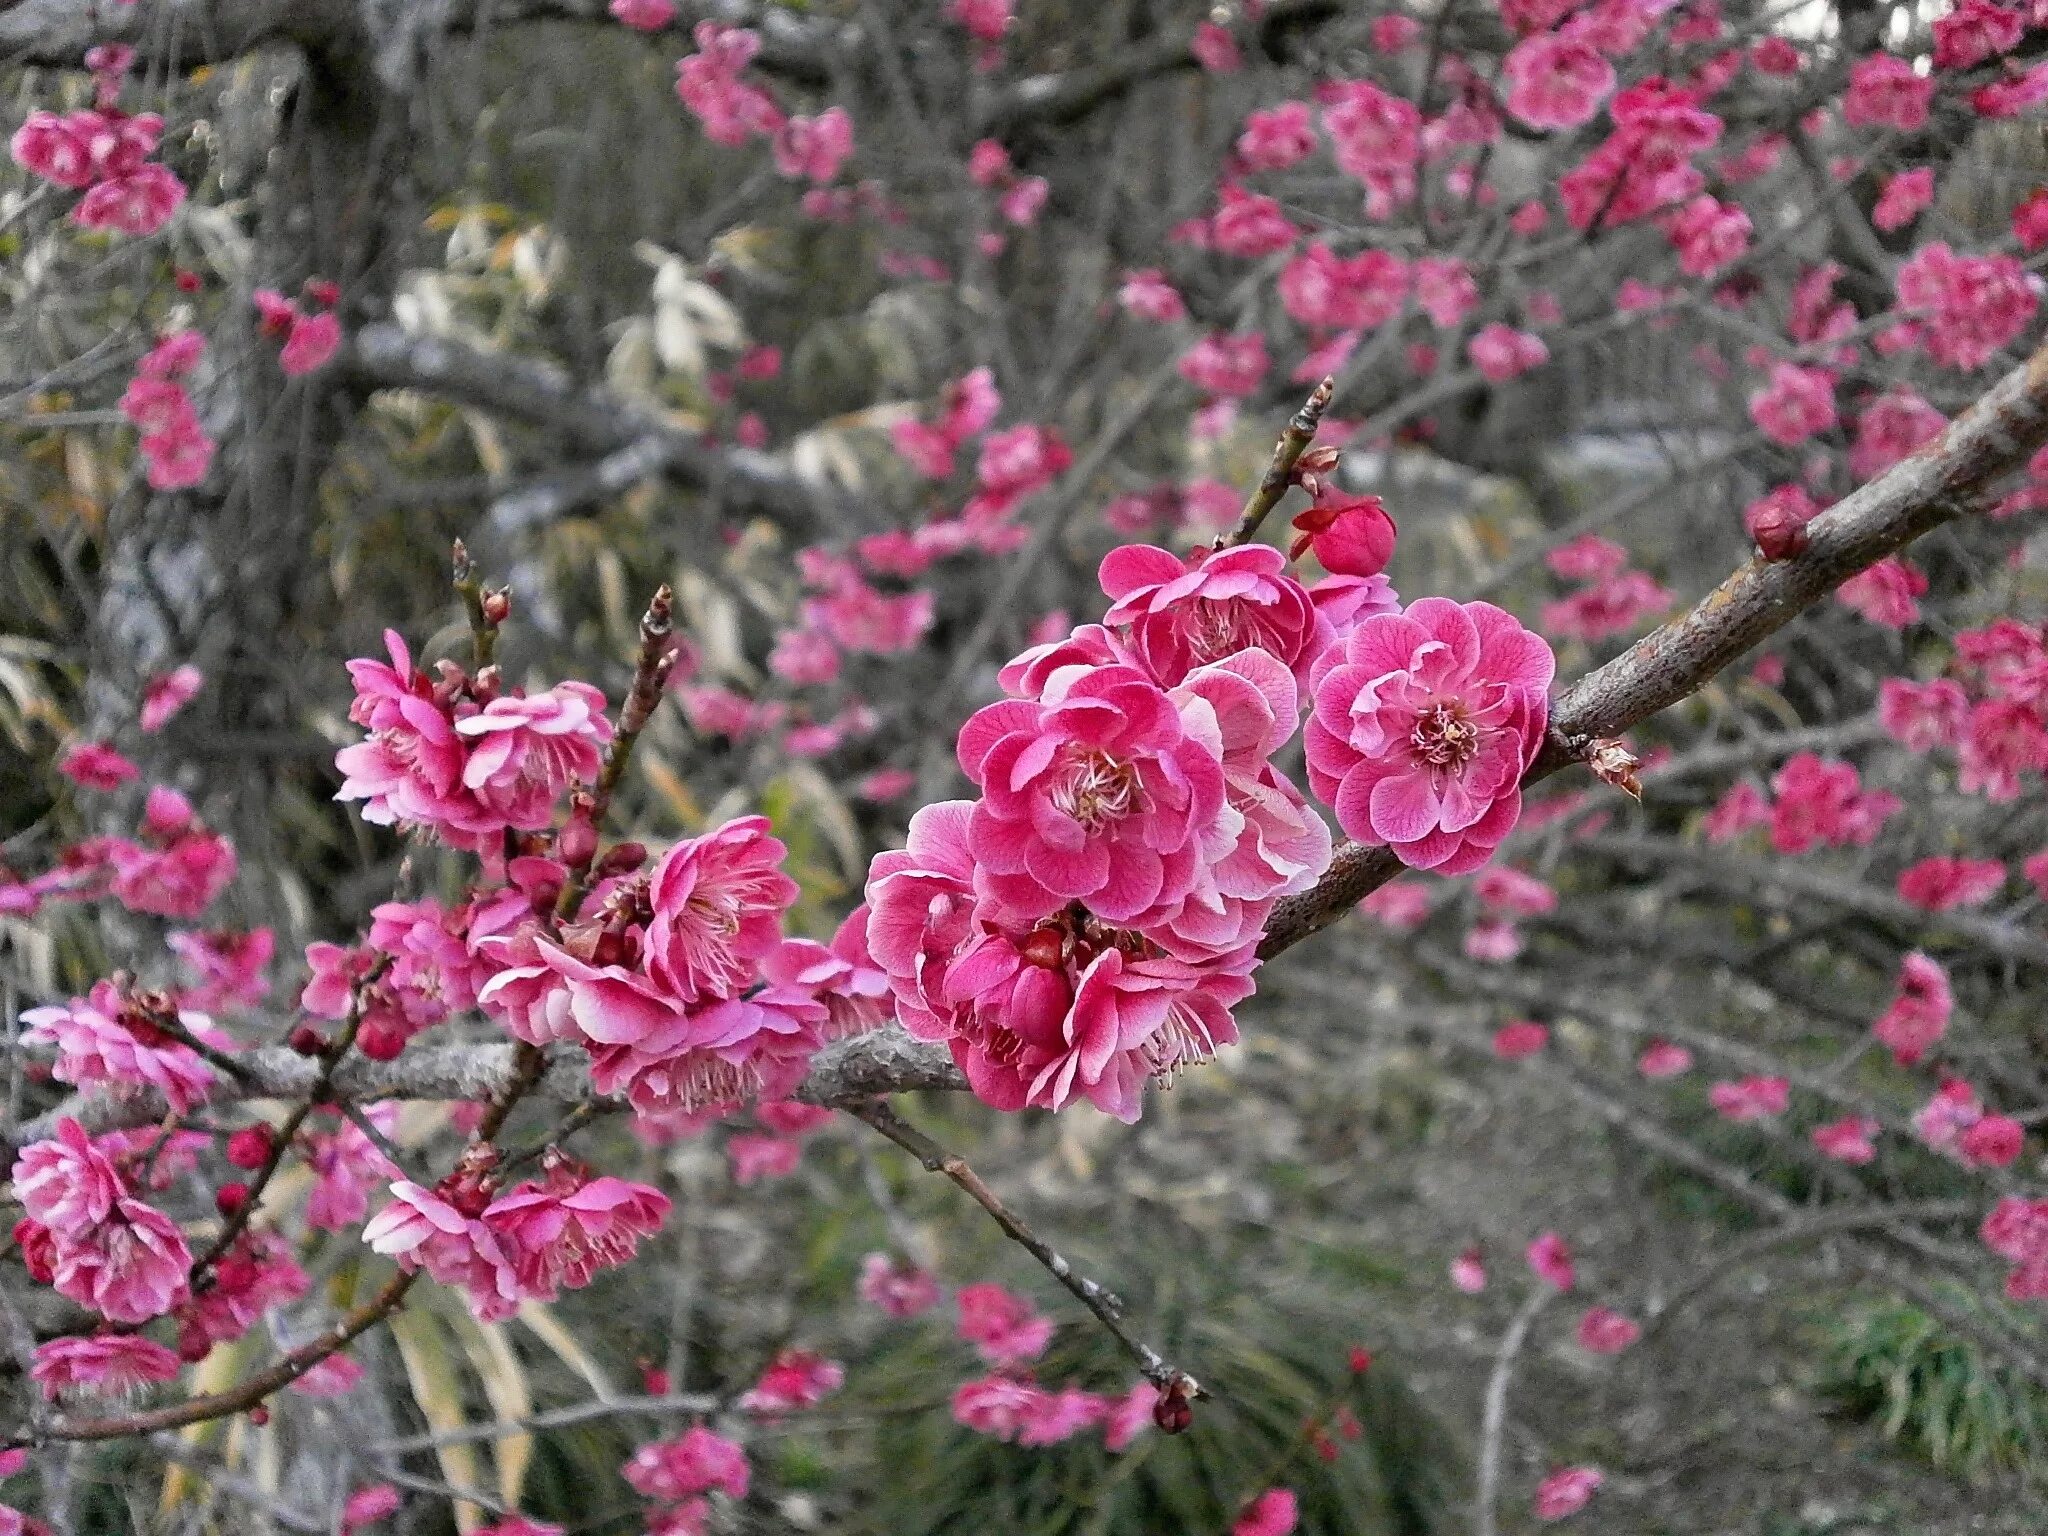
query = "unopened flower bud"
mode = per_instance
[
  {"x": 621, "y": 859},
  {"x": 230, "y": 1198},
  {"x": 497, "y": 606},
  {"x": 1780, "y": 533},
  {"x": 259, "y": 1415},
  {"x": 577, "y": 844},
  {"x": 1173, "y": 1412},
  {"x": 307, "y": 1040},
  {"x": 1045, "y": 948},
  {"x": 250, "y": 1146},
  {"x": 380, "y": 1041}
]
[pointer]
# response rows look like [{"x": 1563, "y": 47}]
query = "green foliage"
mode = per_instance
[{"x": 1935, "y": 1390}]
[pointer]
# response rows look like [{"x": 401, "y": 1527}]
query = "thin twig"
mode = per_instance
[
  {"x": 1107, "y": 1308},
  {"x": 1294, "y": 441},
  {"x": 1493, "y": 1423}
]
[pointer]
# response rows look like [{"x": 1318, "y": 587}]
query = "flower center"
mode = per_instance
[
  {"x": 1214, "y": 629},
  {"x": 1095, "y": 788},
  {"x": 1443, "y": 737}
]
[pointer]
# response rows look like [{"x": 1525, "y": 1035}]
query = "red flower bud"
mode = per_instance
[
  {"x": 1045, "y": 948},
  {"x": 1361, "y": 1359},
  {"x": 250, "y": 1146},
  {"x": 1780, "y": 534},
  {"x": 1350, "y": 538},
  {"x": 577, "y": 844},
  {"x": 380, "y": 1042},
  {"x": 621, "y": 859},
  {"x": 1173, "y": 1412},
  {"x": 230, "y": 1198},
  {"x": 497, "y": 606},
  {"x": 259, "y": 1415},
  {"x": 307, "y": 1040}
]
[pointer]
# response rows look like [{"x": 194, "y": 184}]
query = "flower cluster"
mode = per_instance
[
  {"x": 104, "y": 153},
  {"x": 176, "y": 452}
]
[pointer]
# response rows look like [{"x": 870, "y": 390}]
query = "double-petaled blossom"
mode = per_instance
[
  {"x": 128, "y": 1043},
  {"x": 1556, "y": 81},
  {"x": 423, "y": 1229},
  {"x": 2017, "y": 1230},
  {"x": 1277, "y": 138},
  {"x": 697, "y": 1461},
  {"x": 254, "y": 1275},
  {"x": 1885, "y": 91},
  {"x": 813, "y": 148},
  {"x": 1850, "y": 1140},
  {"x": 1965, "y": 309},
  {"x": 104, "y": 1248},
  {"x": 794, "y": 1379},
  {"x": 115, "y": 1365},
  {"x": 1922, "y": 716},
  {"x": 1919, "y": 1012},
  {"x": 561, "y": 1231},
  {"x": 1001, "y": 1325},
  {"x": 1182, "y": 614},
  {"x": 716, "y": 910},
  {"x": 1944, "y": 883},
  {"x": 1823, "y": 804},
  {"x": 842, "y": 976},
  {"x": 1750, "y": 1098},
  {"x": 1423, "y": 726},
  {"x": 899, "y": 1288},
  {"x": 1887, "y": 592},
  {"x": 525, "y": 751},
  {"x": 1794, "y": 403}
]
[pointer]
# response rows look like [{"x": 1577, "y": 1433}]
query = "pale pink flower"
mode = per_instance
[
  {"x": 1227, "y": 365},
  {"x": 421, "y": 1229},
  {"x": 1611, "y": 606},
  {"x": 1750, "y": 1098},
  {"x": 1493, "y": 941},
  {"x": 1661, "y": 1059},
  {"x": 1215, "y": 49},
  {"x": 1567, "y": 1491},
  {"x": 115, "y": 1365},
  {"x": 996, "y": 1405},
  {"x": 1919, "y": 1011},
  {"x": 1605, "y": 1332},
  {"x": 1551, "y": 1258},
  {"x": 1147, "y": 295},
  {"x": 1512, "y": 1042},
  {"x": 1001, "y": 1325},
  {"x": 1556, "y": 81},
  {"x": 697, "y": 1461},
  {"x": 1423, "y": 726},
  {"x": 1848, "y": 1140},
  {"x": 560, "y": 1232},
  {"x": 1129, "y": 1416},
  {"x": 164, "y": 696},
  {"x": 1272, "y": 1513},
  {"x": 1886, "y": 593},
  {"x": 1468, "y": 1272},
  {"x": 1941, "y": 1121},
  {"x": 335, "y": 1376},
  {"x": 795, "y": 1378},
  {"x": 717, "y": 903},
  {"x": 899, "y": 1288},
  {"x": 813, "y": 148},
  {"x": 1945, "y": 884},
  {"x": 1501, "y": 352},
  {"x": 1401, "y": 906},
  {"x": 122, "y": 1042},
  {"x": 130, "y": 1267}
]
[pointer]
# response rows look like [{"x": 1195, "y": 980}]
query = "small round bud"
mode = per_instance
[
  {"x": 250, "y": 1146},
  {"x": 1045, "y": 948},
  {"x": 497, "y": 606},
  {"x": 259, "y": 1415},
  {"x": 307, "y": 1040},
  {"x": 188, "y": 282},
  {"x": 577, "y": 844},
  {"x": 380, "y": 1042},
  {"x": 621, "y": 859},
  {"x": 230, "y": 1198},
  {"x": 1173, "y": 1412}
]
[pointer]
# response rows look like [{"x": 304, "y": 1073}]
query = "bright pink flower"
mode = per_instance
[
  {"x": 1052, "y": 1417},
  {"x": 1272, "y": 1513},
  {"x": 1794, "y": 404},
  {"x": 1181, "y": 615},
  {"x": 1966, "y": 308},
  {"x": 525, "y": 752},
  {"x": 1147, "y": 295},
  {"x": 1994, "y": 1141},
  {"x": 996, "y": 1405},
  {"x": 1215, "y": 49},
  {"x": 96, "y": 765},
  {"x": 1660, "y": 1059},
  {"x": 1848, "y": 1140},
  {"x": 708, "y": 83},
  {"x": 1886, "y": 593},
  {"x": 1230, "y": 366},
  {"x": 1953, "y": 1109},
  {"x": 130, "y": 1267},
  {"x": 124, "y": 1043},
  {"x": 1750, "y": 1098},
  {"x": 420, "y": 1229},
  {"x": 1501, "y": 352},
  {"x": 986, "y": 20},
  {"x": 1350, "y": 536},
  {"x": 1884, "y": 91},
  {"x": 103, "y": 1365},
  {"x": 1567, "y": 1491},
  {"x": 717, "y": 903},
  {"x": 795, "y": 1378},
  {"x": 1973, "y": 32},
  {"x": 1611, "y": 606},
  {"x": 1276, "y": 139},
  {"x": 256, "y": 1274},
  {"x": 2002, "y": 739},
  {"x": 410, "y": 771},
  {"x": 140, "y": 203},
  {"x": 1424, "y": 724},
  {"x": 1922, "y": 716},
  {"x": 1944, "y": 883},
  {"x": 1468, "y": 1272},
  {"x": 1556, "y": 81},
  {"x": 2030, "y": 220},
  {"x": 1129, "y": 1416},
  {"x": 1101, "y": 791},
  {"x": 560, "y": 1232},
  {"x": 901, "y": 1289},
  {"x": 1708, "y": 234},
  {"x": 367, "y": 1506},
  {"x": 1330, "y": 292},
  {"x": 1393, "y": 32},
  {"x": 1551, "y": 1258},
  {"x": 1001, "y": 1325},
  {"x": 313, "y": 341},
  {"x": 1919, "y": 1011},
  {"x": 1603, "y": 1332},
  {"x": 813, "y": 148},
  {"x": 1511, "y": 1042},
  {"x": 1587, "y": 558},
  {"x": 67, "y": 1183},
  {"x": 1824, "y": 804},
  {"x": 230, "y": 966},
  {"x": 335, "y": 1376},
  {"x": 1905, "y": 195},
  {"x": 644, "y": 15},
  {"x": 696, "y": 1461},
  {"x": 1249, "y": 224},
  {"x": 166, "y": 695},
  {"x": 1377, "y": 138},
  {"x": 2017, "y": 1230}
]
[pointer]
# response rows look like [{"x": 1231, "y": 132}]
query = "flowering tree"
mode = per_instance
[{"x": 956, "y": 335}]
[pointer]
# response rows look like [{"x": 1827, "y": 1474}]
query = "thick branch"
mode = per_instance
[{"x": 1942, "y": 481}]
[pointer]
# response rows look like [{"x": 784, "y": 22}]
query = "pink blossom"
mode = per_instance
[
  {"x": 1001, "y": 1325},
  {"x": 1278, "y": 138},
  {"x": 1886, "y": 593},
  {"x": 1227, "y": 365},
  {"x": 1377, "y": 140},
  {"x": 986, "y": 20},
  {"x": 229, "y": 965},
  {"x": 257, "y": 1273},
  {"x": 644, "y": 15},
  {"x": 1905, "y": 196},
  {"x": 708, "y": 83},
  {"x": 1885, "y": 92},
  {"x": 1974, "y": 31},
  {"x": 1967, "y": 308},
  {"x": 1661, "y": 1059},
  {"x": 1181, "y": 615},
  {"x": 1249, "y": 224},
  {"x": 1401, "y": 906},
  {"x": 1446, "y": 290},
  {"x": 754, "y": 1158},
  {"x": 814, "y": 148},
  {"x": 335, "y": 1376},
  {"x": 139, "y": 203},
  {"x": 795, "y": 1378},
  {"x": 1777, "y": 521},
  {"x": 1612, "y": 606},
  {"x": 1587, "y": 558},
  {"x": 104, "y": 1365},
  {"x": 560, "y": 1232},
  {"x": 1556, "y": 81},
  {"x": 96, "y": 765},
  {"x": 1795, "y": 403},
  {"x": 1330, "y": 292},
  {"x": 130, "y": 1267},
  {"x": 1129, "y": 1416},
  {"x": 2030, "y": 220},
  {"x": 410, "y": 770},
  {"x": 1393, "y": 32},
  {"x": 1994, "y": 1141},
  {"x": 1944, "y": 883},
  {"x": 1468, "y": 1272},
  {"x": 1551, "y": 1258},
  {"x": 899, "y": 1288},
  {"x": 996, "y": 1405},
  {"x": 1272, "y": 1513},
  {"x": 1919, "y": 1011},
  {"x": 314, "y": 339},
  {"x": 1349, "y": 536},
  {"x": 1501, "y": 352},
  {"x": 164, "y": 696},
  {"x": 1941, "y": 1121},
  {"x": 1922, "y": 716},
  {"x": 1604, "y": 1332},
  {"x": 697, "y": 1461},
  {"x": 1423, "y": 726},
  {"x": 1511, "y": 1042},
  {"x": 1147, "y": 295},
  {"x": 525, "y": 752},
  {"x": 420, "y": 1229},
  {"x": 1848, "y": 1140},
  {"x": 2002, "y": 739},
  {"x": 717, "y": 903},
  {"x": 1215, "y": 49},
  {"x": 1567, "y": 1491},
  {"x": 1824, "y": 804},
  {"x": 67, "y": 1183},
  {"x": 1052, "y": 1417},
  {"x": 1493, "y": 941},
  {"x": 1504, "y": 889},
  {"x": 1708, "y": 234},
  {"x": 2016, "y": 1229},
  {"x": 367, "y": 1506},
  {"x": 1750, "y": 1098},
  {"x": 124, "y": 1043}
]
